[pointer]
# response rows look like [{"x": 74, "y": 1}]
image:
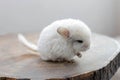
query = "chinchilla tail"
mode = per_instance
[{"x": 26, "y": 43}]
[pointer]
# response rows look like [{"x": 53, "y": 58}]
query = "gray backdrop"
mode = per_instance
[{"x": 102, "y": 16}]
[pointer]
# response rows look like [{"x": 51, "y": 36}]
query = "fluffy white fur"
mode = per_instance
[{"x": 61, "y": 40}]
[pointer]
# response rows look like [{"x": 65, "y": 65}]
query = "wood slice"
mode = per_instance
[{"x": 17, "y": 62}]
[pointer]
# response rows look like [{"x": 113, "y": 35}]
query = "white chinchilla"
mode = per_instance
[{"x": 61, "y": 40}]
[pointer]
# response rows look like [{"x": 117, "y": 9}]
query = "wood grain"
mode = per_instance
[{"x": 100, "y": 62}]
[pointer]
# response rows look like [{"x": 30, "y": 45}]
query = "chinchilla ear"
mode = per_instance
[{"x": 63, "y": 32}]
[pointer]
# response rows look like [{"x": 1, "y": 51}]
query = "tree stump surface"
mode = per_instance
[{"x": 17, "y": 62}]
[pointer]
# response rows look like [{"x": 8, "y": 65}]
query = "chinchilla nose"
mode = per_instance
[{"x": 86, "y": 46}]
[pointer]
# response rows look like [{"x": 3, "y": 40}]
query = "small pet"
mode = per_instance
[{"x": 61, "y": 40}]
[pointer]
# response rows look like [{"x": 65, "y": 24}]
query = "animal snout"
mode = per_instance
[{"x": 86, "y": 46}]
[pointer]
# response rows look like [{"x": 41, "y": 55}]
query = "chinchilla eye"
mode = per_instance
[{"x": 79, "y": 41}]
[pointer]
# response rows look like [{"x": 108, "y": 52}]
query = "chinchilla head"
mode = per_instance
[{"x": 77, "y": 34}]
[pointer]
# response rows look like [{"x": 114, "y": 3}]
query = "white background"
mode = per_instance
[{"x": 102, "y": 16}]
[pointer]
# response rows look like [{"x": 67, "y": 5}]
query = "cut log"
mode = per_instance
[{"x": 17, "y": 62}]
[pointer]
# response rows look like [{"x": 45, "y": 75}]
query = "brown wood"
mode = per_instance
[
  {"x": 100, "y": 62},
  {"x": 117, "y": 74}
]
